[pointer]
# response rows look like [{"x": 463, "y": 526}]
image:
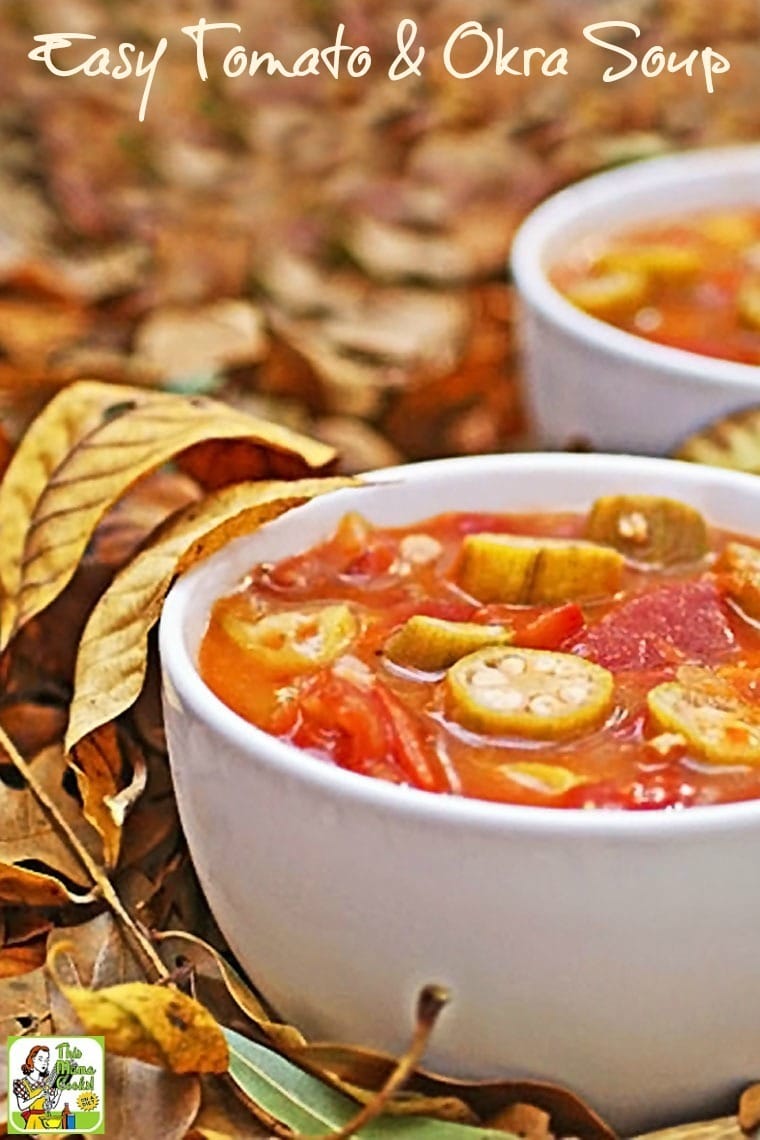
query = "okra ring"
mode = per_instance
[{"x": 534, "y": 693}]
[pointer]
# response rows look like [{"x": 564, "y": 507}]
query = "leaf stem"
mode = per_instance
[
  {"x": 430, "y": 1002},
  {"x": 154, "y": 968}
]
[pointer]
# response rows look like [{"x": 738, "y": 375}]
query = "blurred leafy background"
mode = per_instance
[{"x": 329, "y": 252}]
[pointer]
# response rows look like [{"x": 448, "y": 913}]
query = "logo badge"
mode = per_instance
[{"x": 56, "y": 1085}]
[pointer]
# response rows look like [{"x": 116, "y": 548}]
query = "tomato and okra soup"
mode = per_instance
[
  {"x": 692, "y": 284},
  {"x": 609, "y": 659}
]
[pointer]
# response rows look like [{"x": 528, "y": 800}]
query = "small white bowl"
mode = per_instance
[
  {"x": 615, "y": 952},
  {"x": 587, "y": 380}
]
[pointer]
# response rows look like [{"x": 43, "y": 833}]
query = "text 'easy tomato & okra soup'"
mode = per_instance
[{"x": 607, "y": 659}]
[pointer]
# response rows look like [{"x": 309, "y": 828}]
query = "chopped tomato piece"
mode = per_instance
[
  {"x": 648, "y": 793},
  {"x": 366, "y": 729},
  {"x": 417, "y": 760},
  {"x": 667, "y": 626},
  {"x": 552, "y": 629}
]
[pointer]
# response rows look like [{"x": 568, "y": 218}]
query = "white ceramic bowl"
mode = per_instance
[
  {"x": 616, "y": 952},
  {"x": 585, "y": 379}
]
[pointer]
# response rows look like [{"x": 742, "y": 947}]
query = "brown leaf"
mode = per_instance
[
  {"x": 369, "y": 1069},
  {"x": 360, "y": 1073},
  {"x": 24, "y": 1008},
  {"x": 187, "y": 342},
  {"x": 138, "y": 1095},
  {"x": 32, "y": 330},
  {"x": 113, "y": 650},
  {"x": 100, "y": 766},
  {"x": 64, "y": 478},
  {"x": 749, "y": 1109},
  {"x": 5, "y": 450},
  {"x": 208, "y": 965},
  {"x": 32, "y": 853},
  {"x": 32, "y": 725},
  {"x": 523, "y": 1120},
  {"x": 222, "y": 1117},
  {"x": 97, "y": 974},
  {"x": 141, "y": 1098},
  {"x": 18, "y": 960}
]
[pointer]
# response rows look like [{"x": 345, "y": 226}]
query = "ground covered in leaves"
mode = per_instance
[
  {"x": 333, "y": 251},
  {"x": 328, "y": 256}
]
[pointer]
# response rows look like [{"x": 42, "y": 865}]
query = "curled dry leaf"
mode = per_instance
[
  {"x": 733, "y": 441},
  {"x": 100, "y": 767},
  {"x": 37, "y": 866},
  {"x": 277, "y": 1090},
  {"x": 369, "y": 1069},
  {"x": 80, "y": 456},
  {"x": 113, "y": 651},
  {"x": 155, "y": 1024},
  {"x": 208, "y": 965}
]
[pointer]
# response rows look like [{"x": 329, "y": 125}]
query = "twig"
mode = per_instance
[
  {"x": 146, "y": 953},
  {"x": 430, "y": 1003}
]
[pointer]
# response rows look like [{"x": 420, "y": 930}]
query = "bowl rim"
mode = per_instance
[
  {"x": 580, "y": 199},
  {"x": 181, "y": 678}
]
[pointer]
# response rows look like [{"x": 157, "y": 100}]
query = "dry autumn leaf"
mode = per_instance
[
  {"x": 733, "y": 441},
  {"x": 100, "y": 767},
  {"x": 138, "y": 1095},
  {"x": 86, "y": 449},
  {"x": 18, "y": 960},
  {"x": 155, "y": 1024},
  {"x": 37, "y": 866},
  {"x": 369, "y": 1069},
  {"x": 208, "y": 965},
  {"x": 113, "y": 650},
  {"x": 223, "y": 1117}
]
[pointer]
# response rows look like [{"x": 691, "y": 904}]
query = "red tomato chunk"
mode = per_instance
[
  {"x": 671, "y": 625},
  {"x": 607, "y": 660}
]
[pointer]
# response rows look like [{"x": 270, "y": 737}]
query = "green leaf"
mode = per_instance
[{"x": 307, "y": 1105}]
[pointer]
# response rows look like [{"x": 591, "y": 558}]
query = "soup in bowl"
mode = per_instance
[
  {"x": 639, "y": 301},
  {"x": 612, "y": 950}
]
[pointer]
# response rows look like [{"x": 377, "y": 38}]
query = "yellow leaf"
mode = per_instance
[
  {"x": 731, "y": 441},
  {"x": 99, "y": 767},
  {"x": 156, "y": 1024},
  {"x": 67, "y": 417},
  {"x": 85, "y": 450},
  {"x": 112, "y": 655}
]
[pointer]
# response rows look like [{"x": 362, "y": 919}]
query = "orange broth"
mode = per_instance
[
  {"x": 384, "y": 720},
  {"x": 691, "y": 283}
]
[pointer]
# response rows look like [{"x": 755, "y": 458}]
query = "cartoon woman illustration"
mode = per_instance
[{"x": 34, "y": 1092}]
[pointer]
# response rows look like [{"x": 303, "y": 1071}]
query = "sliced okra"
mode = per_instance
[
  {"x": 294, "y": 641},
  {"x": 520, "y": 570},
  {"x": 649, "y": 529},
  {"x": 535, "y": 693}
]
